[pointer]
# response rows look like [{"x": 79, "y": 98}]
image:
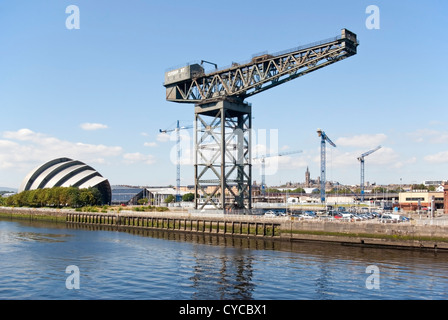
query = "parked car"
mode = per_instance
[
  {"x": 347, "y": 215},
  {"x": 309, "y": 214},
  {"x": 387, "y": 218},
  {"x": 270, "y": 214}
]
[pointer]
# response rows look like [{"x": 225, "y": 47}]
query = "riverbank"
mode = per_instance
[{"x": 409, "y": 235}]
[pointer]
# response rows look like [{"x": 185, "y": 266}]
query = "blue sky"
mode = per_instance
[{"x": 96, "y": 93}]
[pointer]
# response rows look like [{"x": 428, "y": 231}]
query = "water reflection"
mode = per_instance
[
  {"x": 133, "y": 263},
  {"x": 226, "y": 278}
]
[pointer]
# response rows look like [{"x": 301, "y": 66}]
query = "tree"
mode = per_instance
[
  {"x": 188, "y": 197},
  {"x": 169, "y": 199},
  {"x": 73, "y": 194},
  {"x": 142, "y": 201}
]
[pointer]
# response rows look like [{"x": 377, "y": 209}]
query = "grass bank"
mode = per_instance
[
  {"x": 33, "y": 216},
  {"x": 395, "y": 237}
]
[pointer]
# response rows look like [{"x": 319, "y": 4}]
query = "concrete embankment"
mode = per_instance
[{"x": 369, "y": 233}]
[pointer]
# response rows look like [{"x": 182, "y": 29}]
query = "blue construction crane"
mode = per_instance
[
  {"x": 361, "y": 160},
  {"x": 324, "y": 139},
  {"x": 177, "y": 130},
  {"x": 263, "y": 158}
]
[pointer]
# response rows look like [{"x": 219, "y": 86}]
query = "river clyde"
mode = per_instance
[{"x": 53, "y": 261}]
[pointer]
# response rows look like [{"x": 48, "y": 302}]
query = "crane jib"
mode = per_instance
[{"x": 191, "y": 84}]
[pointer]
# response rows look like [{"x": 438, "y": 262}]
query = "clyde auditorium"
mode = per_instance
[{"x": 65, "y": 172}]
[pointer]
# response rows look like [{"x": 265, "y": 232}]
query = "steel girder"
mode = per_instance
[
  {"x": 263, "y": 72},
  {"x": 222, "y": 159}
]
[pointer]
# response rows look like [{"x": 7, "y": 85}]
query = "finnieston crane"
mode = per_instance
[
  {"x": 177, "y": 130},
  {"x": 323, "y": 182},
  {"x": 361, "y": 160},
  {"x": 223, "y": 118},
  {"x": 263, "y": 158}
]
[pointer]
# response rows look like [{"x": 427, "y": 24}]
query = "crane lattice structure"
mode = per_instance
[
  {"x": 223, "y": 119},
  {"x": 263, "y": 167},
  {"x": 361, "y": 160},
  {"x": 323, "y": 179},
  {"x": 178, "y": 154}
]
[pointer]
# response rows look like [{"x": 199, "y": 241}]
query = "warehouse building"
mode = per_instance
[{"x": 421, "y": 200}]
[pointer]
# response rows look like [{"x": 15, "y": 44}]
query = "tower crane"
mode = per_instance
[
  {"x": 223, "y": 117},
  {"x": 178, "y": 151},
  {"x": 361, "y": 160},
  {"x": 324, "y": 139},
  {"x": 263, "y": 158}
]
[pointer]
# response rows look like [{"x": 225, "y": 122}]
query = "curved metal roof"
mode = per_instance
[{"x": 65, "y": 172}]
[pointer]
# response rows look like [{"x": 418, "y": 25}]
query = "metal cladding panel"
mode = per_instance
[
  {"x": 57, "y": 179},
  {"x": 44, "y": 174},
  {"x": 73, "y": 181},
  {"x": 94, "y": 181},
  {"x": 54, "y": 171},
  {"x": 182, "y": 74},
  {"x": 37, "y": 172}
]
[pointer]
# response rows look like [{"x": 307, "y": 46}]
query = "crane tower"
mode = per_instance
[
  {"x": 263, "y": 160},
  {"x": 323, "y": 180},
  {"x": 361, "y": 160},
  {"x": 178, "y": 154},
  {"x": 223, "y": 120}
]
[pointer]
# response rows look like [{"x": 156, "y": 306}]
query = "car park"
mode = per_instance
[{"x": 270, "y": 214}]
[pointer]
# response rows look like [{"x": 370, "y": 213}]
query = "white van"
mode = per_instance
[
  {"x": 347, "y": 216},
  {"x": 395, "y": 217}
]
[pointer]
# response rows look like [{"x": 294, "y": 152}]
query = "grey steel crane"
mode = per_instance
[
  {"x": 323, "y": 181},
  {"x": 223, "y": 117},
  {"x": 361, "y": 160}
]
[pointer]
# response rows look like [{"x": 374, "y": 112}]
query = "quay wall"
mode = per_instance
[
  {"x": 369, "y": 233},
  {"x": 358, "y": 233}
]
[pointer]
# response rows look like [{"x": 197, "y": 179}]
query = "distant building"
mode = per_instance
[
  {"x": 309, "y": 183},
  {"x": 158, "y": 195},
  {"x": 65, "y": 172},
  {"x": 445, "y": 198},
  {"x": 421, "y": 200},
  {"x": 433, "y": 182},
  {"x": 126, "y": 195}
]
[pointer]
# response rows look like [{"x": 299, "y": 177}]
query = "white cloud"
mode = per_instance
[
  {"x": 163, "y": 137},
  {"x": 441, "y": 157},
  {"x": 364, "y": 140},
  {"x": 93, "y": 126},
  {"x": 132, "y": 158},
  {"x": 384, "y": 156},
  {"x": 150, "y": 144},
  {"x": 24, "y": 149},
  {"x": 430, "y": 136}
]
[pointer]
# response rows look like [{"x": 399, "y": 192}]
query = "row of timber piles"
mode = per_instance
[{"x": 191, "y": 224}]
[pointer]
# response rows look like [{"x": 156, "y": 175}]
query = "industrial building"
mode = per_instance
[
  {"x": 66, "y": 172},
  {"x": 127, "y": 195},
  {"x": 421, "y": 200}
]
